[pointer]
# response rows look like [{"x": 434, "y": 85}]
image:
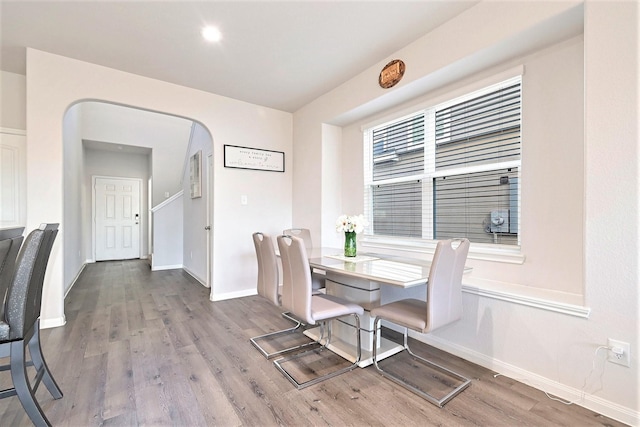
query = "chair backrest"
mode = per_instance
[
  {"x": 10, "y": 233},
  {"x": 267, "y": 267},
  {"x": 303, "y": 233},
  {"x": 10, "y": 241},
  {"x": 296, "y": 280},
  {"x": 444, "y": 289},
  {"x": 24, "y": 297}
]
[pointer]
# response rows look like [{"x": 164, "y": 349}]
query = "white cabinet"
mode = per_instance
[{"x": 13, "y": 173}]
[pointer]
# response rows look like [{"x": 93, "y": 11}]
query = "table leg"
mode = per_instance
[{"x": 343, "y": 341}]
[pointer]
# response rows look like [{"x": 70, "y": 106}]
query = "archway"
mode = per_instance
[{"x": 106, "y": 139}]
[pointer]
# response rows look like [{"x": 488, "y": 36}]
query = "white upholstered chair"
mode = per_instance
[
  {"x": 442, "y": 307},
  {"x": 302, "y": 233},
  {"x": 317, "y": 277},
  {"x": 268, "y": 286},
  {"x": 299, "y": 299}
]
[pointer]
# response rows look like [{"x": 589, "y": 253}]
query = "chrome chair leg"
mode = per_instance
[
  {"x": 300, "y": 385},
  {"x": 299, "y": 325},
  {"x": 440, "y": 402}
]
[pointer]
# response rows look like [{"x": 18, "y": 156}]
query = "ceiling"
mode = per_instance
[{"x": 276, "y": 54}]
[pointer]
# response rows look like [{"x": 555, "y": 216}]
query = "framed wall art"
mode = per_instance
[
  {"x": 195, "y": 174},
  {"x": 253, "y": 158}
]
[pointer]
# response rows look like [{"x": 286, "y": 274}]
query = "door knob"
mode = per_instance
[{"x": 208, "y": 227}]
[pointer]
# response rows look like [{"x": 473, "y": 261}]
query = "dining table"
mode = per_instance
[{"x": 362, "y": 280}]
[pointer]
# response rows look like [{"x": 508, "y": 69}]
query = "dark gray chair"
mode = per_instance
[
  {"x": 10, "y": 241},
  {"x": 20, "y": 326},
  {"x": 442, "y": 307}
]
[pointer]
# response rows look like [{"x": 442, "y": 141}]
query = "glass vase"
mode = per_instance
[{"x": 350, "y": 243}]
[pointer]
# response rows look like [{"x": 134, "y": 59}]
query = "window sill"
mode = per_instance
[
  {"x": 545, "y": 299},
  {"x": 495, "y": 253}
]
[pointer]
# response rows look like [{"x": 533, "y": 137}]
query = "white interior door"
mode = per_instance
[
  {"x": 209, "y": 231},
  {"x": 117, "y": 218}
]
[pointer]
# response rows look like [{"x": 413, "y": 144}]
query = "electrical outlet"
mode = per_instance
[{"x": 619, "y": 352}]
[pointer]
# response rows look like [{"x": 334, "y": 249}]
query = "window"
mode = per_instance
[{"x": 451, "y": 170}]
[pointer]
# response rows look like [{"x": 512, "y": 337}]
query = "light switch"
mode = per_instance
[{"x": 243, "y": 199}]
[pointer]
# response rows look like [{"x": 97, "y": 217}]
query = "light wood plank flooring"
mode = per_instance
[{"x": 149, "y": 348}]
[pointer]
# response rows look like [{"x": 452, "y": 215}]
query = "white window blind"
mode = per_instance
[
  {"x": 480, "y": 130},
  {"x": 396, "y": 170}
]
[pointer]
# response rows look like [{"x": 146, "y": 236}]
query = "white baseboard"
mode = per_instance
[
  {"x": 570, "y": 394},
  {"x": 75, "y": 279},
  {"x": 192, "y": 274},
  {"x": 165, "y": 267},
  {"x": 232, "y": 295}
]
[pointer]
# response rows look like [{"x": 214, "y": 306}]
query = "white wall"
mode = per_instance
[
  {"x": 167, "y": 234},
  {"x": 229, "y": 121},
  {"x": 333, "y": 185},
  {"x": 195, "y": 210},
  {"x": 166, "y": 135},
  {"x": 75, "y": 205},
  {"x": 13, "y": 112},
  {"x": 594, "y": 254}
]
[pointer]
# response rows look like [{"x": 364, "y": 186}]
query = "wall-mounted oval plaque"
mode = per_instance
[{"x": 391, "y": 74}]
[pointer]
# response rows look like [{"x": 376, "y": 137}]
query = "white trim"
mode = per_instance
[
  {"x": 408, "y": 178},
  {"x": 484, "y": 252},
  {"x": 476, "y": 169},
  {"x": 167, "y": 201},
  {"x": 75, "y": 279},
  {"x": 570, "y": 394},
  {"x": 544, "y": 299},
  {"x": 166, "y": 267},
  {"x": 192, "y": 274},
  {"x": 209, "y": 210}
]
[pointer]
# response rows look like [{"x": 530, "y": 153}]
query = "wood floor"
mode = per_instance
[{"x": 143, "y": 348}]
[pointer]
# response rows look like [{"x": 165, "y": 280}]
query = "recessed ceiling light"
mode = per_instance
[{"x": 211, "y": 34}]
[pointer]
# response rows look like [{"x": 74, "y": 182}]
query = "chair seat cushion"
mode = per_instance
[
  {"x": 411, "y": 313},
  {"x": 328, "y": 306},
  {"x": 4, "y": 331}
]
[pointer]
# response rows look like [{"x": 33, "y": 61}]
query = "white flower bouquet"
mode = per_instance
[{"x": 351, "y": 223}]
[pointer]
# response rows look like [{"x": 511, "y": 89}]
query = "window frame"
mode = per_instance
[{"x": 426, "y": 244}]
